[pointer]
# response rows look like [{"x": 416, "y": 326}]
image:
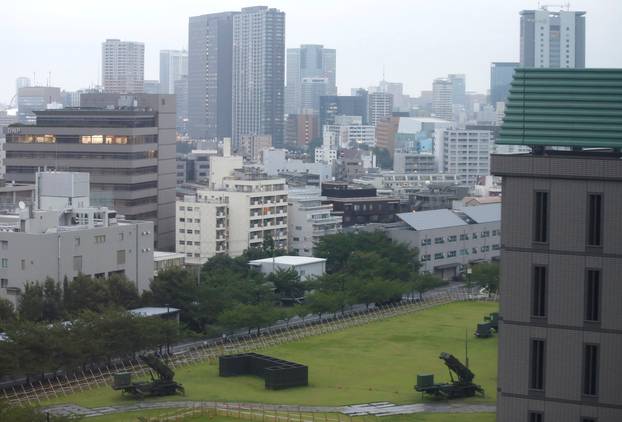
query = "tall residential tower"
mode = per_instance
[{"x": 123, "y": 66}]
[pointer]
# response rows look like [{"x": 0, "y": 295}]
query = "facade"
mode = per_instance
[
  {"x": 449, "y": 241},
  {"x": 181, "y": 102},
  {"x": 252, "y": 146},
  {"x": 306, "y": 267},
  {"x": 308, "y": 220},
  {"x": 300, "y": 129},
  {"x": 465, "y": 153},
  {"x": 129, "y": 153},
  {"x": 11, "y": 194},
  {"x": 413, "y": 162},
  {"x": 442, "y": 99},
  {"x": 173, "y": 67},
  {"x": 386, "y": 128},
  {"x": 35, "y": 98},
  {"x": 561, "y": 321},
  {"x": 210, "y": 70},
  {"x": 501, "y": 74},
  {"x": 310, "y": 61},
  {"x": 552, "y": 39},
  {"x": 258, "y": 73},
  {"x": 123, "y": 66},
  {"x": 380, "y": 106},
  {"x": 151, "y": 86},
  {"x": 165, "y": 260},
  {"x": 61, "y": 235},
  {"x": 311, "y": 90},
  {"x": 275, "y": 162},
  {"x": 349, "y": 132},
  {"x": 458, "y": 88},
  {"x": 336, "y": 105}
]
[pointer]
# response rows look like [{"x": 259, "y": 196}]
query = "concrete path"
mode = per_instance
[{"x": 377, "y": 409}]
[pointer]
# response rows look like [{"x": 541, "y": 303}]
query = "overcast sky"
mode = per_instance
[{"x": 415, "y": 40}]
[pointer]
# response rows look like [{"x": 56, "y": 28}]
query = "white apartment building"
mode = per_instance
[
  {"x": 123, "y": 66},
  {"x": 251, "y": 146},
  {"x": 380, "y": 104},
  {"x": 309, "y": 220},
  {"x": 327, "y": 152},
  {"x": 275, "y": 161},
  {"x": 442, "y": 99},
  {"x": 465, "y": 153}
]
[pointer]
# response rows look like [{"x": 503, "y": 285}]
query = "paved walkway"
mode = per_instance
[{"x": 378, "y": 409}]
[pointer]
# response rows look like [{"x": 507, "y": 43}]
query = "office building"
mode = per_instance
[
  {"x": 252, "y": 146},
  {"x": 173, "y": 67},
  {"x": 560, "y": 334},
  {"x": 62, "y": 235},
  {"x": 349, "y": 132},
  {"x": 308, "y": 220},
  {"x": 258, "y": 73},
  {"x": 300, "y": 129},
  {"x": 311, "y": 89},
  {"x": 314, "y": 62},
  {"x": 123, "y": 66},
  {"x": 210, "y": 70},
  {"x": 442, "y": 99},
  {"x": 552, "y": 39},
  {"x": 181, "y": 102},
  {"x": 449, "y": 241},
  {"x": 22, "y": 82},
  {"x": 129, "y": 153},
  {"x": 336, "y": 105},
  {"x": 380, "y": 105},
  {"x": 501, "y": 74},
  {"x": 465, "y": 153},
  {"x": 275, "y": 162},
  {"x": 35, "y": 98},
  {"x": 458, "y": 88},
  {"x": 386, "y": 129},
  {"x": 151, "y": 86},
  {"x": 414, "y": 162}
]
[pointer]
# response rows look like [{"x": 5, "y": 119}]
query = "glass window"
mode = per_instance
[
  {"x": 121, "y": 257},
  {"x": 536, "y": 364},
  {"x": 590, "y": 370},
  {"x": 4, "y": 263},
  {"x": 541, "y": 217},
  {"x": 592, "y": 296}
]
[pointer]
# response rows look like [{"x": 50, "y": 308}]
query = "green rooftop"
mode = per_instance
[{"x": 564, "y": 107}]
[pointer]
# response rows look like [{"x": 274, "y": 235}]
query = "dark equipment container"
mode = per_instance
[{"x": 277, "y": 373}]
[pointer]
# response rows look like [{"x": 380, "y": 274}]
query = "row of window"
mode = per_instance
[
  {"x": 454, "y": 238},
  {"x": 189, "y": 231},
  {"x": 189, "y": 220},
  {"x": 462, "y": 252}
]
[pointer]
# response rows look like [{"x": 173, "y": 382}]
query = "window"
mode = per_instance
[
  {"x": 76, "y": 242},
  {"x": 298, "y": 227},
  {"x": 101, "y": 238},
  {"x": 4, "y": 263},
  {"x": 182, "y": 208},
  {"x": 77, "y": 264},
  {"x": 474, "y": 235},
  {"x": 121, "y": 257},
  {"x": 189, "y": 231},
  {"x": 592, "y": 296},
  {"x": 182, "y": 242},
  {"x": 182, "y": 231},
  {"x": 197, "y": 243},
  {"x": 464, "y": 237},
  {"x": 190, "y": 220},
  {"x": 451, "y": 254},
  {"x": 536, "y": 365},
  {"x": 197, "y": 220},
  {"x": 22, "y": 264},
  {"x": 484, "y": 248},
  {"x": 541, "y": 217},
  {"x": 538, "y": 292},
  {"x": 188, "y": 208},
  {"x": 121, "y": 236},
  {"x": 438, "y": 240},
  {"x": 536, "y": 416},
  {"x": 590, "y": 370},
  {"x": 425, "y": 258},
  {"x": 4, "y": 282},
  {"x": 452, "y": 238},
  {"x": 594, "y": 219},
  {"x": 4, "y": 244},
  {"x": 486, "y": 233},
  {"x": 588, "y": 419},
  {"x": 439, "y": 255},
  {"x": 425, "y": 242}
]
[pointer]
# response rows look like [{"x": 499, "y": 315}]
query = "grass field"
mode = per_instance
[{"x": 370, "y": 363}]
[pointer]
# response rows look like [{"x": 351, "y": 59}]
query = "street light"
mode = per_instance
[{"x": 469, "y": 271}]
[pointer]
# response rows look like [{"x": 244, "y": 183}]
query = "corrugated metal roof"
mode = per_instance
[
  {"x": 564, "y": 107},
  {"x": 483, "y": 213},
  {"x": 288, "y": 260},
  {"x": 435, "y": 219}
]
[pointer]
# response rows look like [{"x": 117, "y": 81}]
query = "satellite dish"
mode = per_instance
[{"x": 21, "y": 205}]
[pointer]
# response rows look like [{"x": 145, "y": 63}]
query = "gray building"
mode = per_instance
[
  {"x": 449, "y": 241},
  {"x": 380, "y": 105},
  {"x": 151, "y": 86},
  {"x": 181, "y": 102},
  {"x": 458, "y": 88},
  {"x": 309, "y": 61},
  {"x": 414, "y": 162},
  {"x": 123, "y": 66},
  {"x": 442, "y": 98},
  {"x": 552, "y": 39},
  {"x": 342, "y": 105},
  {"x": 35, "y": 98},
  {"x": 501, "y": 74},
  {"x": 258, "y": 74},
  {"x": 129, "y": 152},
  {"x": 560, "y": 338},
  {"x": 63, "y": 236},
  {"x": 210, "y": 71},
  {"x": 173, "y": 67}
]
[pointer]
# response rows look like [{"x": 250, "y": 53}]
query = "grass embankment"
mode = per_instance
[{"x": 370, "y": 363}]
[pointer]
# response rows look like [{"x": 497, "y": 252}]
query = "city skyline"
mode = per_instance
[{"x": 74, "y": 62}]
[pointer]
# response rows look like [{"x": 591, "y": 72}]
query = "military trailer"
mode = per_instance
[
  {"x": 160, "y": 385},
  {"x": 461, "y": 386}
]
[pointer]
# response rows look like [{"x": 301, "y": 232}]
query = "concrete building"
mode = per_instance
[
  {"x": 458, "y": 88},
  {"x": 35, "y": 98},
  {"x": 552, "y": 39},
  {"x": 380, "y": 106},
  {"x": 300, "y": 129},
  {"x": 501, "y": 74},
  {"x": 63, "y": 236},
  {"x": 349, "y": 132},
  {"x": 123, "y": 66},
  {"x": 413, "y": 162},
  {"x": 252, "y": 146},
  {"x": 465, "y": 153},
  {"x": 129, "y": 153},
  {"x": 173, "y": 67},
  {"x": 22, "y": 82},
  {"x": 11, "y": 194},
  {"x": 306, "y": 267},
  {"x": 308, "y": 220},
  {"x": 442, "y": 99},
  {"x": 386, "y": 128},
  {"x": 560, "y": 335},
  {"x": 311, "y": 90},
  {"x": 181, "y": 102},
  {"x": 449, "y": 241},
  {"x": 275, "y": 162},
  {"x": 166, "y": 260},
  {"x": 258, "y": 73},
  {"x": 151, "y": 86},
  {"x": 309, "y": 61},
  {"x": 337, "y": 105}
]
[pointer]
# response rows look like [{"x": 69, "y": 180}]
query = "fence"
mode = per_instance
[{"x": 84, "y": 380}]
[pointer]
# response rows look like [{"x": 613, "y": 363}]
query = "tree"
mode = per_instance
[
  {"x": 30, "y": 305},
  {"x": 52, "y": 300},
  {"x": 486, "y": 275},
  {"x": 249, "y": 316},
  {"x": 121, "y": 292},
  {"x": 319, "y": 303},
  {"x": 7, "y": 312},
  {"x": 287, "y": 284},
  {"x": 422, "y": 283},
  {"x": 176, "y": 287},
  {"x": 86, "y": 293}
]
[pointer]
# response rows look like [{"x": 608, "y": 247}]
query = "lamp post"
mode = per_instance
[
  {"x": 168, "y": 349},
  {"x": 469, "y": 271}
]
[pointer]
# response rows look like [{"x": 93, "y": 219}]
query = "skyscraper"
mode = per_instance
[
  {"x": 258, "y": 73},
  {"x": 500, "y": 79},
  {"x": 336, "y": 105},
  {"x": 308, "y": 61},
  {"x": 458, "y": 88},
  {"x": 380, "y": 105},
  {"x": 173, "y": 66},
  {"x": 22, "y": 82},
  {"x": 35, "y": 98},
  {"x": 210, "y": 71},
  {"x": 123, "y": 66},
  {"x": 552, "y": 39},
  {"x": 442, "y": 99}
]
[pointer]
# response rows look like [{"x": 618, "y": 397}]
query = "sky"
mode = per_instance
[{"x": 414, "y": 41}]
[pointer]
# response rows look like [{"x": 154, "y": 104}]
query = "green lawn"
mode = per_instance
[{"x": 370, "y": 363}]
